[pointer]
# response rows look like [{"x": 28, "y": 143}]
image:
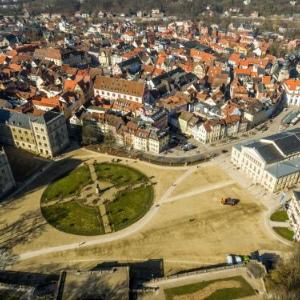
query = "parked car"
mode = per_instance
[
  {"x": 229, "y": 201},
  {"x": 188, "y": 146}
]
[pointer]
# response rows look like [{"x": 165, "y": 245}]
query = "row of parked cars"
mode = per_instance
[{"x": 185, "y": 146}]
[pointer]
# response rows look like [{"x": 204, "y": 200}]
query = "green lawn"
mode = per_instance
[
  {"x": 72, "y": 217},
  {"x": 130, "y": 206},
  {"x": 224, "y": 294},
  {"x": 279, "y": 216},
  {"x": 284, "y": 232},
  {"x": 118, "y": 174},
  {"x": 67, "y": 185}
]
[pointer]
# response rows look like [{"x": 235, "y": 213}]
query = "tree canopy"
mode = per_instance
[{"x": 283, "y": 283}]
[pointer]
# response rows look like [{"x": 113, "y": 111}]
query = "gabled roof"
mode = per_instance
[{"x": 121, "y": 86}]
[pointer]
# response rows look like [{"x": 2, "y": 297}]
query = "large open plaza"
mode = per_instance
[{"x": 186, "y": 227}]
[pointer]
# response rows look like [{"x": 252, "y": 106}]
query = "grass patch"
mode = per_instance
[
  {"x": 11, "y": 294},
  {"x": 118, "y": 174},
  {"x": 229, "y": 293},
  {"x": 279, "y": 216},
  {"x": 68, "y": 185},
  {"x": 130, "y": 206},
  {"x": 284, "y": 232},
  {"x": 71, "y": 217}
]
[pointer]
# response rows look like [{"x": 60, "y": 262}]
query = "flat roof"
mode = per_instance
[{"x": 103, "y": 284}]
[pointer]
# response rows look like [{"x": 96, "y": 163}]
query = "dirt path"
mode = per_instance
[
  {"x": 209, "y": 290},
  {"x": 201, "y": 190},
  {"x": 105, "y": 220}
]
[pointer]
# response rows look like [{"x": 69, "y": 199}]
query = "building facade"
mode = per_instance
[
  {"x": 291, "y": 89},
  {"x": 43, "y": 133},
  {"x": 294, "y": 214}
]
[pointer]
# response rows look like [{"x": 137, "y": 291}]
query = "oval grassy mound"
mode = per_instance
[{"x": 76, "y": 204}]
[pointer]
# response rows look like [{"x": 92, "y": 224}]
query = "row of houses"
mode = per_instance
[{"x": 146, "y": 133}]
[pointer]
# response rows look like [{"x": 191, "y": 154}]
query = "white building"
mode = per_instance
[
  {"x": 294, "y": 214},
  {"x": 291, "y": 89},
  {"x": 273, "y": 162}
]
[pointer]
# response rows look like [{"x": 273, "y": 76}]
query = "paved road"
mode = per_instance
[{"x": 138, "y": 226}]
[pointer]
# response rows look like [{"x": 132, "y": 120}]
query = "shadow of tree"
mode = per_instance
[
  {"x": 30, "y": 224},
  {"x": 27, "y": 227}
]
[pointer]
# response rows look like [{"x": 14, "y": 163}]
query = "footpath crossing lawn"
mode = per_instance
[
  {"x": 68, "y": 185},
  {"x": 244, "y": 290},
  {"x": 132, "y": 197},
  {"x": 72, "y": 217}
]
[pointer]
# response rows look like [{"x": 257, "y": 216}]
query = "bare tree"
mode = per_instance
[
  {"x": 6, "y": 258},
  {"x": 283, "y": 283}
]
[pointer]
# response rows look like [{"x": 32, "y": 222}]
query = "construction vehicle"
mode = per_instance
[{"x": 230, "y": 201}]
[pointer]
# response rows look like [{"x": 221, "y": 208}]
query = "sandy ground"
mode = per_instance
[{"x": 188, "y": 232}]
